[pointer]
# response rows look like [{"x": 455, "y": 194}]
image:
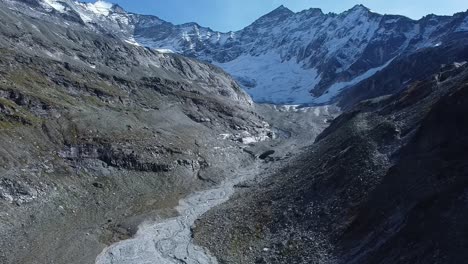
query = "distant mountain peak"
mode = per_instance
[
  {"x": 282, "y": 7},
  {"x": 279, "y": 13},
  {"x": 118, "y": 9},
  {"x": 359, "y": 8},
  {"x": 101, "y": 7},
  {"x": 281, "y": 10}
]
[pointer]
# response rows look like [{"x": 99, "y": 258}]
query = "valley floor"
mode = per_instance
[{"x": 170, "y": 240}]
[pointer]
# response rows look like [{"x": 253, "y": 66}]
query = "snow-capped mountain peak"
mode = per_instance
[
  {"x": 86, "y": 11},
  {"x": 59, "y": 6},
  {"x": 283, "y": 57},
  {"x": 100, "y": 7},
  {"x": 281, "y": 10},
  {"x": 359, "y": 8},
  {"x": 278, "y": 14}
]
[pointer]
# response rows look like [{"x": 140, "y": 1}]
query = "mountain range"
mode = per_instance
[{"x": 283, "y": 57}]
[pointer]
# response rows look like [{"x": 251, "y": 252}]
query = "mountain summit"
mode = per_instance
[
  {"x": 359, "y": 8},
  {"x": 281, "y": 10}
]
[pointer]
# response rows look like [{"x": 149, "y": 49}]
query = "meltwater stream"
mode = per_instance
[{"x": 171, "y": 241}]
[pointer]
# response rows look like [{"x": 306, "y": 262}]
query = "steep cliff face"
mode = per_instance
[
  {"x": 284, "y": 57},
  {"x": 385, "y": 183}
]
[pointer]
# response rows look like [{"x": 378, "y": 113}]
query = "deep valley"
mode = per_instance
[{"x": 303, "y": 138}]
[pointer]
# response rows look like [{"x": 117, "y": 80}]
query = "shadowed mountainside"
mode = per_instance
[{"x": 385, "y": 183}]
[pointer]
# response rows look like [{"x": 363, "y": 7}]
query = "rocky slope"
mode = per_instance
[
  {"x": 97, "y": 135},
  {"x": 385, "y": 183},
  {"x": 284, "y": 57}
]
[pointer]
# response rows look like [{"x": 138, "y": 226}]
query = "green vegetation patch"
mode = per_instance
[{"x": 13, "y": 115}]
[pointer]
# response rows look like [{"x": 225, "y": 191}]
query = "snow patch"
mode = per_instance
[
  {"x": 317, "y": 111},
  {"x": 463, "y": 26},
  {"x": 55, "y": 5},
  {"x": 164, "y": 50},
  {"x": 169, "y": 44},
  {"x": 336, "y": 88},
  {"x": 247, "y": 138},
  {"x": 459, "y": 64},
  {"x": 225, "y": 136},
  {"x": 391, "y": 21},
  {"x": 132, "y": 41},
  {"x": 100, "y": 8}
]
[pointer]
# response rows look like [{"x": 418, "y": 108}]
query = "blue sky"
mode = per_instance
[{"x": 226, "y": 15}]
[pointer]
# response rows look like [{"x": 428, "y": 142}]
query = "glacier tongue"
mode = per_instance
[
  {"x": 269, "y": 80},
  {"x": 286, "y": 82}
]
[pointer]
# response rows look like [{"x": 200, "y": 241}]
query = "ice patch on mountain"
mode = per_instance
[
  {"x": 55, "y": 5},
  {"x": 269, "y": 79},
  {"x": 95, "y": 12}
]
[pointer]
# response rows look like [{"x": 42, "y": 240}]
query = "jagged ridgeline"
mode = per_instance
[{"x": 283, "y": 57}]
